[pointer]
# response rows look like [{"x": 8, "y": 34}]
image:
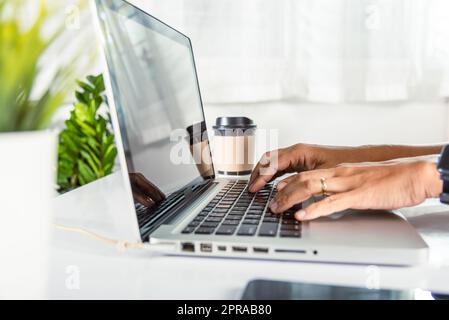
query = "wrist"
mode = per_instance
[{"x": 431, "y": 178}]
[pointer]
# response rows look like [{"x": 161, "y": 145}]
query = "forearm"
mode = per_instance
[{"x": 388, "y": 152}]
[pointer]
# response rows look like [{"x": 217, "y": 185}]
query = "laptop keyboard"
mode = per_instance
[
  {"x": 235, "y": 211},
  {"x": 149, "y": 218}
]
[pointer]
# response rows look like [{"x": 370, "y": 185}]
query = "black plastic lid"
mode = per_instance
[{"x": 224, "y": 123}]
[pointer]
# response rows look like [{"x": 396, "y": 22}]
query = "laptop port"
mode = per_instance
[
  {"x": 290, "y": 251},
  {"x": 221, "y": 248},
  {"x": 260, "y": 250},
  {"x": 188, "y": 247},
  {"x": 206, "y": 247},
  {"x": 239, "y": 249}
]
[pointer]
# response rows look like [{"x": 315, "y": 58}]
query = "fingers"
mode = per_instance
[
  {"x": 142, "y": 199},
  {"x": 145, "y": 192},
  {"x": 271, "y": 165},
  {"x": 147, "y": 188},
  {"x": 262, "y": 162},
  {"x": 327, "y": 206},
  {"x": 293, "y": 193},
  {"x": 281, "y": 184},
  {"x": 257, "y": 181},
  {"x": 299, "y": 190}
]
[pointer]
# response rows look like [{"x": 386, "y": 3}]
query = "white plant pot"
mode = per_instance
[{"x": 27, "y": 189}]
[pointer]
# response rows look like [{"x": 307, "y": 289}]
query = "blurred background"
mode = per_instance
[{"x": 343, "y": 72}]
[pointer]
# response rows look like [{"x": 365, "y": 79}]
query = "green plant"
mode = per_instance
[
  {"x": 21, "y": 108},
  {"x": 86, "y": 146}
]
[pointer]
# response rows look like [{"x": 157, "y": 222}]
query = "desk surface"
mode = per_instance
[{"x": 82, "y": 267}]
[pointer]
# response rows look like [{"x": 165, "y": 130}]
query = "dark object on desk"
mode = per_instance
[
  {"x": 443, "y": 168},
  {"x": 280, "y": 290},
  {"x": 440, "y": 296}
]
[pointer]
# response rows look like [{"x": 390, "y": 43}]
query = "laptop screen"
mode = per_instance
[{"x": 157, "y": 98}]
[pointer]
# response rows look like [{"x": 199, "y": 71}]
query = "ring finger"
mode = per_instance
[{"x": 301, "y": 190}]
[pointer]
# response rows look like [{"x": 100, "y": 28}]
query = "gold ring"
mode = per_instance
[{"x": 323, "y": 186}]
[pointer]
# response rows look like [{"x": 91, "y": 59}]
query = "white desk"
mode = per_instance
[{"x": 105, "y": 273}]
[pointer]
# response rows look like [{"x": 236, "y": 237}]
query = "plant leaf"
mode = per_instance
[{"x": 87, "y": 150}]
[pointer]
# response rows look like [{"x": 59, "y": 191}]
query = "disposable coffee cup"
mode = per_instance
[{"x": 234, "y": 145}]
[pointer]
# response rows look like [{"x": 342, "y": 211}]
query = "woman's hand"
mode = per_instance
[
  {"x": 363, "y": 186},
  {"x": 304, "y": 157},
  {"x": 296, "y": 158}
]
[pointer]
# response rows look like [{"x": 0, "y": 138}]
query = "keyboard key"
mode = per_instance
[
  {"x": 210, "y": 224},
  {"x": 226, "y": 230},
  {"x": 268, "y": 229},
  {"x": 223, "y": 206},
  {"x": 251, "y": 221},
  {"x": 271, "y": 215},
  {"x": 213, "y": 219},
  {"x": 247, "y": 230},
  {"x": 253, "y": 216},
  {"x": 202, "y": 230},
  {"x": 188, "y": 230},
  {"x": 234, "y": 216},
  {"x": 199, "y": 219},
  {"x": 290, "y": 233},
  {"x": 194, "y": 224},
  {"x": 295, "y": 227},
  {"x": 271, "y": 219},
  {"x": 231, "y": 222},
  {"x": 217, "y": 214},
  {"x": 290, "y": 221},
  {"x": 223, "y": 210}
]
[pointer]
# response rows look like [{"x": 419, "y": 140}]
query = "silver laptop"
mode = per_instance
[{"x": 158, "y": 119}]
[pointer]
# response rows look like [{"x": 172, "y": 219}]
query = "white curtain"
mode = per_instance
[{"x": 315, "y": 50}]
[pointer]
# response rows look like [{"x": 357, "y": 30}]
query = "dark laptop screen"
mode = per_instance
[{"x": 157, "y": 97}]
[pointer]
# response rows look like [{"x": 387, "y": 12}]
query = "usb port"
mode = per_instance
[
  {"x": 206, "y": 247},
  {"x": 221, "y": 248},
  {"x": 239, "y": 249},
  {"x": 260, "y": 250},
  {"x": 188, "y": 247}
]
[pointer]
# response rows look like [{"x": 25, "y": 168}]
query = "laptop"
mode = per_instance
[{"x": 155, "y": 103}]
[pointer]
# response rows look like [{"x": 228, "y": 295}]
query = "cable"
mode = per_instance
[{"x": 121, "y": 245}]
